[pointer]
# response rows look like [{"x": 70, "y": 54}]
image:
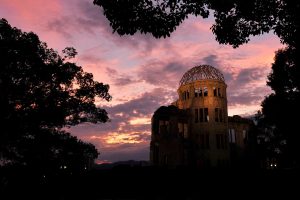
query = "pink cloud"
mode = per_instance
[{"x": 28, "y": 12}]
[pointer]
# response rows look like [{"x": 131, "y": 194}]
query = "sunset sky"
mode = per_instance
[{"x": 143, "y": 72}]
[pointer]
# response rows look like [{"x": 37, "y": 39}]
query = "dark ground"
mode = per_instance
[{"x": 151, "y": 183}]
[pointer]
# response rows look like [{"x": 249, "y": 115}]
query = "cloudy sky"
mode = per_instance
[{"x": 143, "y": 72}]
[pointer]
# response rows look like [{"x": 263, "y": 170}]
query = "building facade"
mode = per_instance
[{"x": 194, "y": 130}]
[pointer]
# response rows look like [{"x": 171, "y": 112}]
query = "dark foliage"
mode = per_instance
[
  {"x": 157, "y": 17},
  {"x": 132, "y": 183},
  {"x": 281, "y": 108},
  {"x": 235, "y": 20},
  {"x": 42, "y": 92}
]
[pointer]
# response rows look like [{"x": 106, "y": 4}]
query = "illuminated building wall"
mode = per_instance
[{"x": 194, "y": 130}]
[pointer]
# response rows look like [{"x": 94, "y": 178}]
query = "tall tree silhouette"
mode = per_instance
[
  {"x": 41, "y": 93},
  {"x": 281, "y": 108}
]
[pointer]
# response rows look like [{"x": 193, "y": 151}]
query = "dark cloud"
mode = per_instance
[
  {"x": 61, "y": 25},
  {"x": 211, "y": 60},
  {"x": 174, "y": 67},
  {"x": 88, "y": 57},
  {"x": 65, "y": 26},
  {"x": 245, "y": 89},
  {"x": 89, "y": 18},
  {"x": 91, "y": 15},
  {"x": 237, "y": 56},
  {"x": 169, "y": 74},
  {"x": 249, "y": 75},
  {"x": 121, "y": 114},
  {"x": 145, "y": 104},
  {"x": 215, "y": 61},
  {"x": 228, "y": 76},
  {"x": 162, "y": 74},
  {"x": 120, "y": 79},
  {"x": 245, "y": 98}
]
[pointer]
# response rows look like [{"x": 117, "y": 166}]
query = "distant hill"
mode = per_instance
[{"x": 127, "y": 163}]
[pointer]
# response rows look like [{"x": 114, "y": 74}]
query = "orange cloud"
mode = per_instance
[
  {"x": 139, "y": 121},
  {"x": 116, "y": 138}
]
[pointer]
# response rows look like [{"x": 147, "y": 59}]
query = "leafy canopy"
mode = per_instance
[
  {"x": 235, "y": 20},
  {"x": 42, "y": 92}
]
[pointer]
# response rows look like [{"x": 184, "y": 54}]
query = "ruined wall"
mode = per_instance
[{"x": 206, "y": 102}]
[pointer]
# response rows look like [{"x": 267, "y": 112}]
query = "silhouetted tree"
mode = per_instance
[
  {"x": 282, "y": 107},
  {"x": 269, "y": 146},
  {"x": 235, "y": 20},
  {"x": 41, "y": 93}
]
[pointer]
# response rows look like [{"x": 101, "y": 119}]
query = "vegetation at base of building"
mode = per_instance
[
  {"x": 41, "y": 93},
  {"x": 135, "y": 182}
]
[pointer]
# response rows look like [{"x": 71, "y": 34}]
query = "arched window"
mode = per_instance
[
  {"x": 217, "y": 115},
  {"x": 219, "y": 92},
  {"x": 205, "y": 91},
  {"x": 198, "y": 92},
  {"x": 215, "y": 91}
]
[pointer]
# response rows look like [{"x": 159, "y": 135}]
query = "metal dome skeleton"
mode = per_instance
[{"x": 202, "y": 72}]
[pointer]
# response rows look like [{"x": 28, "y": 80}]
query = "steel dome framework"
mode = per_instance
[{"x": 202, "y": 72}]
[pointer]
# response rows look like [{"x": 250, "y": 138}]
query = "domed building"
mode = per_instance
[{"x": 194, "y": 131}]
